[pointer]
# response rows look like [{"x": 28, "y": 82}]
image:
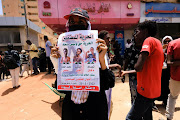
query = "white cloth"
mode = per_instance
[
  {"x": 15, "y": 76},
  {"x": 128, "y": 45},
  {"x": 109, "y": 91},
  {"x": 25, "y": 68},
  {"x": 166, "y": 38},
  {"x": 55, "y": 63}
]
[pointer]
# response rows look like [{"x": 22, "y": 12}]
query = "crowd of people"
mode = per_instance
[
  {"x": 146, "y": 60},
  {"x": 14, "y": 63},
  {"x": 152, "y": 66}
]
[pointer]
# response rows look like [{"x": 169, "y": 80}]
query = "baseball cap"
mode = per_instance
[{"x": 79, "y": 12}]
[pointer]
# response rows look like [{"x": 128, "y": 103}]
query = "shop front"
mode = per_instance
[
  {"x": 116, "y": 16},
  {"x": 167, "y": 15}
]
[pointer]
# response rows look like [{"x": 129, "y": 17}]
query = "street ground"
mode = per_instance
[{"x": 35, "y": 101}]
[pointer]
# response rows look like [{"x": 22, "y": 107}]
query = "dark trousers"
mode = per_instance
[
  {"x": 133, "y": 87},
  {"x": 34, "y": 63},
  {"x": 50, "y": 65},
  {"x": 2, "y": 72},
  {"x": 141, "y": 109}
]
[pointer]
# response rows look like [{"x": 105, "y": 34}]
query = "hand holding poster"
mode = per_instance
[{"x": 78, "y": 67}]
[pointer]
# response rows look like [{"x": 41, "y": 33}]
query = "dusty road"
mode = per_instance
[{"x": 34, "y": 101}]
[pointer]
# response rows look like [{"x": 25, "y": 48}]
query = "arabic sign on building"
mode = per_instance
[
  {"x": 78, "y": 67},
  {"x": 100, "y": 12},
  {"x": 162, "y": 10},
  {"x": 157, "y": 19}
]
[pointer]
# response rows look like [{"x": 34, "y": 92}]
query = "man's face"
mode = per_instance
[
  {"x": 167, "y": 40},
  {"x": 78, "y": 52},
  {"x": 92, "y": 50},
  {"x": 77, "y": 23},
  {"x": 139, "y": 36},
  {"x": 107, "y": 39},
  {"x": 65, "y": 52}
]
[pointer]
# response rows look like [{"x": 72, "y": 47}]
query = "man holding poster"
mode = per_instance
[{"x": 84, "y": 84}]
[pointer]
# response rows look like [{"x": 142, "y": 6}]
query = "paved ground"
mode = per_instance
[{"x": 35, "y": 101}]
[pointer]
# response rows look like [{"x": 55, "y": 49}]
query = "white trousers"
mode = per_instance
[
  {"x": 15, "y": 76},
  {"x": 25, "y": 67},
  {"x": 174, "y": 87},
  {"x": 108, "y": 96}
]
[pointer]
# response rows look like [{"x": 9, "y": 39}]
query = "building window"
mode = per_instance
[
  {"x": 44, "y": 27},
  {"x": 32, "y": 6},
  {"x": 22, "y": 0},
  {"x": 3, "y": 6},
  {"x": 54, "y": 33},
  {"x": 4, "y": 13},
  {"x": 23, "y": 14},
  {"x": 22, "y": 6},
  {"x": 32, "y": 13},
  {"x": 16, "y": 37},
  {"x": 8, "y": 36},
  {"x": 34, "y": 20}
]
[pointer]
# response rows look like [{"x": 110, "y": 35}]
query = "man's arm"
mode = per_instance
[
  {"x": 140, "y": 62},
  {"x": 116, "y": 66},
  {"x": 172, "y": 62},
  {"x": 86, "y": 56},
  {"x": 49, "y": 44}
]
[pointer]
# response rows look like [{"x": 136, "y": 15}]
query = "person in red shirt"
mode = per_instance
[
  {"x": 149, "y": 68},
  {"x": 173, "y": 59}
]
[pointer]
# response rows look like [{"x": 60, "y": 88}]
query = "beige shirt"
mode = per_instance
[{"x": 33, "y": 54}]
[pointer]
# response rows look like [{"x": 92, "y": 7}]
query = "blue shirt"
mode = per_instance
[{"x": 48, "y": 49}]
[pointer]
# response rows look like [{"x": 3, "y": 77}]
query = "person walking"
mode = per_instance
[
  {"x": 2, "y": 68},
  {"x": 33, "y": 51},
  {"x": 165, "y": 77},
  {"x": 173, "y": 59},
  {"x": 149, "y": 68},
  {"x": 24, "y": 61},
  {"x": 12, "y": 61},
  {"x": 48, "y": 52}
]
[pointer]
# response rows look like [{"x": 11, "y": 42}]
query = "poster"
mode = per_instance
[
  {"x": 119, "y": 36},
  {"x": 78, "y": 67}
]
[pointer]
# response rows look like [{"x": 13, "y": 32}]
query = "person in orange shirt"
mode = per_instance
[
  {"x": 149, "y": 68},
  {"x": 173, "y": 60}
]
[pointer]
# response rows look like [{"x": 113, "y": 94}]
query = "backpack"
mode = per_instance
[{"x": 11, "y": 59}]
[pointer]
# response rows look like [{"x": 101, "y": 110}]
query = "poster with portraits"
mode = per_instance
[{"x": 78, "y": 67}]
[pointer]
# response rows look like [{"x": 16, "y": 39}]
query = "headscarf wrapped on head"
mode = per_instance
[{"x": 166, "y": 38}]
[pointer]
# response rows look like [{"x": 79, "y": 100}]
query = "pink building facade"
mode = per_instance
[
  {"x": 119, "y": 17},
  {"x": 105, "y": 14}
]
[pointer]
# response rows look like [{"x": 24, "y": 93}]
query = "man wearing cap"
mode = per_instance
[
  {"x": 33, "y": 51},
  {"x": 48, "y": 51},
  {"x": 94, "y": 107}
]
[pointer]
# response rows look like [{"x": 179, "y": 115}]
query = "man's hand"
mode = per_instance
[
  {"x": 55, "y": 52},
  {"x": 102, "y": 49}
]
